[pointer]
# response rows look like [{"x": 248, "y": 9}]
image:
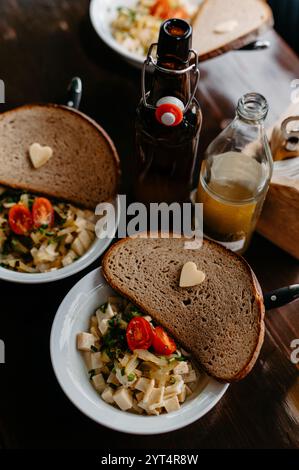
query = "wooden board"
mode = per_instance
[{"x": 279, "y": 221}]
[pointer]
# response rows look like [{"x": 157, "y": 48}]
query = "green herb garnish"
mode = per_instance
[
  {"x": 131, "y": 377},
  {"x": 181, "y": 358},
  {"x": 93, "y": 348},
  {"x": 103, "y": 307}
]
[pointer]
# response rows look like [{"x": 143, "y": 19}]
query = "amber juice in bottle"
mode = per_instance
[
  {"x": 235, "y": 176},
  {"x": 231, "y": 207},
  {"x": 166, "y": 143}
]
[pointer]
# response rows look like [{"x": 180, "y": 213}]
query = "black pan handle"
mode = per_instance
[
  {"x": 280, "y": 297},
  {"x": 256, "y": 46},
  {"x": 74, "y": 93}
]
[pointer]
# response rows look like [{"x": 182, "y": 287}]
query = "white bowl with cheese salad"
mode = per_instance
[
  {"x": 44, "y": 240},
  {"x": 109, "y": 387},
  {"x": 129, "y": 27}
]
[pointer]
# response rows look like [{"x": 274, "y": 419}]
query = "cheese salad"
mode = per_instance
[
  {"x": 137, "y": 28},
  {"x": 37, "y": 235},
  {"x": 139, "y": 380}
]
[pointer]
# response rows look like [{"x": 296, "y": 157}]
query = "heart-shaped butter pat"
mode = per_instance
[
  {"x": 190, "y": 275},
  {"x": 226, "y": 27},
  {"x": 39, "y": 154}
]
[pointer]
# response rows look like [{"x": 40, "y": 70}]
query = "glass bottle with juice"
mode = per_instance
[{"x": 235, "y": 176}]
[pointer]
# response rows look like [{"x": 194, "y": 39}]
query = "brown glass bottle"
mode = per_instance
[{"x": 166, "y": 154}]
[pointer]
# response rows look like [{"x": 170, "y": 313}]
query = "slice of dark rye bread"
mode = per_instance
[
  {"x": 221, "y": 321},
  {"x": 84, "y": 168}
]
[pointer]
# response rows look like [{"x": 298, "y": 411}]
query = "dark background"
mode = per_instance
[
  {"x": 43, "y": 43},
  {"x": 286, "y": 13}
]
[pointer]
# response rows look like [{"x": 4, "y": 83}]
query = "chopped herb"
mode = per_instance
[
  {"x": 181, "y": 358},
  {"x": 91, "y": 372},
  {"x": 131, "y": 313},
  {"x": 59, "y": 238},
  {"x": 59, "y": 220},
  {"x": 113, "y": 370},
  {"x": 6, "y": 247},
  {"x": 103, "y": 307},
  {"x": 113, "y": 386},
  {"x": 114, "y": 322},
  {"x": 129, "y": 11},
  {"x": 114, "y": 341},
  {"x": 30, "y": 202},
  {"x": 131, "y": 377},
  {"x": 122, "y": 371},
  {"x": 93, "y": 348},
  {"x": 132, "y": 14},
  {"x": 12, "y": 198}
]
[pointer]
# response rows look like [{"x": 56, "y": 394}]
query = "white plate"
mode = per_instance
[
  {"x": 102, "y": 13},
  {"x": 96, "y": 249},
  {"x": 72, "y": 317}
]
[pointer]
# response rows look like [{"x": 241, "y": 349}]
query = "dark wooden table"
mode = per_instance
[{"x": 43, "y": 43}]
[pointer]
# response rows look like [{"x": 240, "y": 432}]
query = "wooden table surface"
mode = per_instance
[{"x": 43, "y": 43}]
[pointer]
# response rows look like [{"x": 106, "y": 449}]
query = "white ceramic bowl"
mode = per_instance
[
  {"x": 72, "y": 317},
  {"x": 96, "y": 249},
  {"x": 102, "y": 13}
]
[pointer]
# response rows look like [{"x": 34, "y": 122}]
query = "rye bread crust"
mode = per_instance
[{"x": 257, "y": 292}]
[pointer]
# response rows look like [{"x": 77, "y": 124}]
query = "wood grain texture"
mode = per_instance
[
  {"x": 281, "y": 211},
  {"x": 43, "y": 43}
]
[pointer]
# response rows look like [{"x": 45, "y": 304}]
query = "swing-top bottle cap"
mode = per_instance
[
  {"x": 175, "y": 39},
  {"x": 169, "y": 111}
]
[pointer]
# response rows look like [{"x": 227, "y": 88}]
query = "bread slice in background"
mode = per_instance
[
  {"x": 84, "y": 168},
  {"x": 221, "y": 321},
  {"x": 253, "y": 17}
]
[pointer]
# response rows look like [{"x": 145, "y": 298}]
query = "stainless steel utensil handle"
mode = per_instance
[{"x": 256, "y": 46}]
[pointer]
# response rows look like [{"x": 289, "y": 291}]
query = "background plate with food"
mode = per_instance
[{"x": 129, "y": 27}]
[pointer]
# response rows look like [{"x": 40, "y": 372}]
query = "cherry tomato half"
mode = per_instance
[
  {"x": 20, "y": 219},
  {"x": 139, "y": 334},
  {"x": 42, "y": 212},
  {"x": 163, "y": 9},
  {"x": 162, "y": 343}
]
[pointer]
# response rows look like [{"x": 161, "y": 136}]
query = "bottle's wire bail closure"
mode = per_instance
[{"x": 151, "y": 62}]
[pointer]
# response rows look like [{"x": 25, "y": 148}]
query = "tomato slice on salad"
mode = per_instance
[
  {"x": 163, "y": 9},
  {"x": 42, "y": 212},
  {"x": 139, "y": 334},
  {"x": 162, "y": 343},
  {"x": 20, "y": 219}
]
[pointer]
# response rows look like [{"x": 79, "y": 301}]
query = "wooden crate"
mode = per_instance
[{"x": 279, "y": 221}]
